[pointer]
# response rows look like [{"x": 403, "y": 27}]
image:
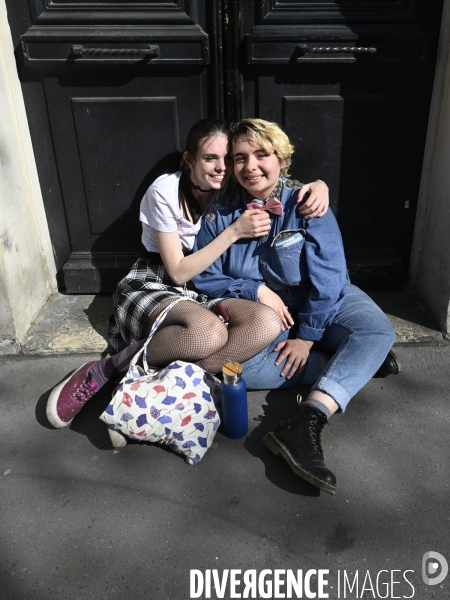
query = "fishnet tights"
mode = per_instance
[{"x": 193, "y": 333}]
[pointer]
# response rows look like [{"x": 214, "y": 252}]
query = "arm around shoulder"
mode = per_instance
[
  {"x": 182, "y": 268},
  {"x": 251, "y": 224},
  {"x": 213, "y": 280}
]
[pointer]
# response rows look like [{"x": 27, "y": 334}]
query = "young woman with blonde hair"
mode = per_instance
[{"x": 298, "y": 266}]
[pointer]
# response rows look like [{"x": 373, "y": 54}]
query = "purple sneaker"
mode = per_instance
[{"x": 69, "y": 397}]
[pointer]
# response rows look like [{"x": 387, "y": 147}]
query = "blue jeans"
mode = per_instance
[{"x": 360, "y": 338}]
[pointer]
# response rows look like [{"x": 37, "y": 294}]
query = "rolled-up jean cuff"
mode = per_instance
[{"x": 333, "y": 389}]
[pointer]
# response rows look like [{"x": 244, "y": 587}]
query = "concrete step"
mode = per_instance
[{"x": 78, "y": 324}]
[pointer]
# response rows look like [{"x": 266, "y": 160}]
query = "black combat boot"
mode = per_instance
[
  {"x": 298, "y": 441},
  {"x": 391, "y": 366}
]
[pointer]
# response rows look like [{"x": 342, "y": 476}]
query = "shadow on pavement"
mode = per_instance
[
  {"x": 88, "y": 423},
  {"x": 41, "y": 405},
  {"x": 98, "y": 314},
  {"x": 281, "y": 404}
]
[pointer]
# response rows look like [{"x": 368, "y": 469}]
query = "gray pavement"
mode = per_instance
[{"x": 81, "y": 520}]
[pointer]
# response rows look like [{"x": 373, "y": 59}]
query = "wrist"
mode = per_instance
[
  {"x": 232, "y": 233},
  {"x": 308, "y": 343}
]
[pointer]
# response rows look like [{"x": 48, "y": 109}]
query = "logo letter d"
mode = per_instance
[
  {"x": 196, "y": 577},
  {"x": 431, "y": 568}
]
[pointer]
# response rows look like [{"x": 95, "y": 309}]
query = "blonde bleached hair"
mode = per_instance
[{"x": 268, "y": 136}]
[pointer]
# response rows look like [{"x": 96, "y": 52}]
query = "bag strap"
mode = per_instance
[{"x": 159, "y": 319}]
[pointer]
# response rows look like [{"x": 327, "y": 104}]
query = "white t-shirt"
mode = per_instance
[{"x": 161, "y": 210}]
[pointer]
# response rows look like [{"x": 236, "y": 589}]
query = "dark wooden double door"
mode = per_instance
[{"x": 112, "y": 87}]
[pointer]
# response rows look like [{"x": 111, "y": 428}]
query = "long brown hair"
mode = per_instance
[{"x": 197, "y": 134}]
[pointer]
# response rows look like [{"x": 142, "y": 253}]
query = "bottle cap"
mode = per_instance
[{"x": 232, "y": 372}]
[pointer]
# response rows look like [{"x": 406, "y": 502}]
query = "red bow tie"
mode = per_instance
[{"x": 273, "y": 205}]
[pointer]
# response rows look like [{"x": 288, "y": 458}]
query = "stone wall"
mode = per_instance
[
  {"x": 430, "y": 261},
  {"x": 27, "y": 268}
]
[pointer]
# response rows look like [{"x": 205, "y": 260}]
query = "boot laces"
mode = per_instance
[
  {"x": 316, "y": 425},
  {"x": 85, "y": 391}
]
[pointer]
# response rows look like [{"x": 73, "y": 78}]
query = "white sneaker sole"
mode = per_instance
[{"x": 117, "y": 439}]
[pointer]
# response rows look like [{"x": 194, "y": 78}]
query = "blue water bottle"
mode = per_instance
[{"x": 233, "y": 392}]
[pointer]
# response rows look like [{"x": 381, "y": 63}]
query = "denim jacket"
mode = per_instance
[{"x": 305, "y": 265}]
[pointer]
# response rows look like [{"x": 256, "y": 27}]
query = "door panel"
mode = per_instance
[
  {"x": 112, "y": 88},
  {"x": 346, "y": 132},
  {"x": 329, "y": 11},
  {"x": 119, "y": 102},
  {"x": 351, "y": 84},
  {"x": 125, "y": 128},
  {"x": 107, "y": 140},
  {"x": 89, "y": 12},
  {"x": 111, "y": 142},
  {"x": 312, "y": 118},
  {"x": 72, "y": 50}
]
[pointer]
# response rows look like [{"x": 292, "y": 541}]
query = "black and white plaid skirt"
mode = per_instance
[{"x": 138, "y": 294}]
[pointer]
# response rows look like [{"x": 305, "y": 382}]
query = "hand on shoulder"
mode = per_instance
[{"x": 317, "y": 202}]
